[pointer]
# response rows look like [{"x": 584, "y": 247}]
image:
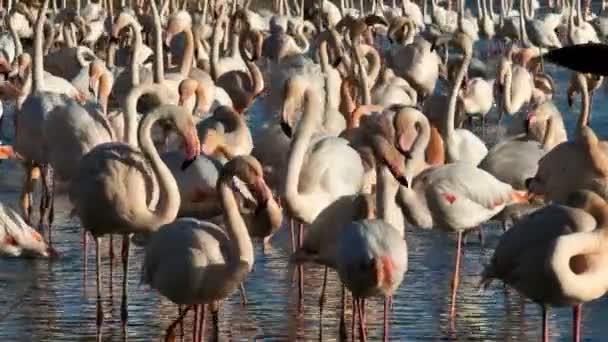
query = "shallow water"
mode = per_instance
[{"x": 54, "y": 300}]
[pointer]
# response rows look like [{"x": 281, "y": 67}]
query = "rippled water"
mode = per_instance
[{"x": 54, "y": 300}]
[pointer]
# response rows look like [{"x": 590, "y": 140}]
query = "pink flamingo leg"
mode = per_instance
[
  {"x": 456, "y": 279},
  {"x": 361, "y": 313},
  {"x": 354, "y": 319},
  {"x": 301, "y": 268},
  {"x": 578, "y": 316},
  {"x": 98, "y": 276},
  {"x": 545, "y": 324},
  {"x": 201, "y": 334},
  {"x": 169, "y": 337},
  {"x": 195, "y": 323},
  {"x": 124, "y": 314},
  {"x": 387, "y": 307}
]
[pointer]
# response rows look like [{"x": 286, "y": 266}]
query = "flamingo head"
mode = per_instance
[
  {"x": 186, "y": 90},
  {"x": 249, "y": 170},
  {"x": 184, "y": 125},
  {"x": 96, "y": 69},
  {"x": 407, "y": 123},
  {"x": 178, "y": 22},
  {"x": 293, "y": 93},
  {"x": 5, "y": 66},
  {"x": 390, "y": 156}
]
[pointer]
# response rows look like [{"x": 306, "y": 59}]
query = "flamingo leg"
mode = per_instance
[
  {"x": 46, "y": 202},
  {"x": 98, "y": 277},
  {"x": 201, "y": 327},
  {"x": 322, "y": 297},
  {"x": 293, "y": 235},
  {"x": 26, "y": 192},
  {"x": 124, "y": 315},
  {"x": 481, "y": 237},
  {"x": 243, "y": 293},
  {"x": 216, "y": 325},
  {"x": 111, "y": 252},
  {"x": 387, "y": 307},
  {"x": 301, "y": 267},
  {"x": 195, "y": 323},
  {"x": 361, "y": 314},
  {"x": 169, "y": 337},
  {"x": 456, "y": 279},
  {"x": 577, "y": 313},
  {"x": 85, "y": 239},
  {"x": 181, "y": 323},
  {"x": 545, "y": 324},
  {"x": 343, "y": 335},
  {"x": 354, "y": 319}
]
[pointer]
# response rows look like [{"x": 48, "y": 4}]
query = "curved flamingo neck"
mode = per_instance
[
  {"x": 159, "y": 65},
  {"x": 130, "y": 108},
  {"x": 188, "y": 56},
  {"x": 296, "y": 203},
  {"x": 215, "y": 47},
  {"x": 236, "y": 228},
  {"x": 374, "y": 62},
  {"x": 583, "y": 119},
  {"x": 507, "y": 91},
  {"x": 466, "y": 59},
  {"x": 169, "y": 200},
  {"x": 38, "y": 63},
  {"x": 435, "y": 151}
]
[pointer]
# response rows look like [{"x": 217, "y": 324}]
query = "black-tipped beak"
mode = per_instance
[
  {"x": 527, "y": 126},
  {"x": 114, "y": 40},
  {"x": 570, "y": 100},
  {"x": 337, "y": 62},
  {"x": 91, "y": 90},
  {"x": 187, "y": 163},
  {"x": 528, "y": 182},
  {"x": 286, "y": 129},
  {"x": 403, "y": 181}
]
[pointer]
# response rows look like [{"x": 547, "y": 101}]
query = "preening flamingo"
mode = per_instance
[{"x": 555, "y": 256}]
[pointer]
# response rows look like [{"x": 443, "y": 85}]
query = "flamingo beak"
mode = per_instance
[
  {"x": 285, "y": 120},
  {"x": 406, "y": 141},
  {"x": 52, "y": 252},
  {"x": 261, "y": 193},
  {"x": 530, "y": 120},
  {"x": 193, "y": 147},
  {"x": 92, "y": 84},
  {"x": 168, "y": 39}
]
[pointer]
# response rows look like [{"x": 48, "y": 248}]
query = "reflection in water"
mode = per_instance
[{"x": 44, "y": 300}]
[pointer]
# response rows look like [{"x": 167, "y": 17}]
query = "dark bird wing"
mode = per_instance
[{"x": 586, "y": 58}]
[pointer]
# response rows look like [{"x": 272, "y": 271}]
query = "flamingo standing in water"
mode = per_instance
[
  {"x": 555, "y": 256},
  {"x": 194, "y": 262},
  {"x": 110, "y": 191}
]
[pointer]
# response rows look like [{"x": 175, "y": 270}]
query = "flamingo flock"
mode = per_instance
[{"x": 196, "y": 128}]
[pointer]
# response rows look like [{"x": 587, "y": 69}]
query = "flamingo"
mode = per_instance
[
  {"x": 439, "y": 196},
  {"x": 460, "y": 144},
  {"x": 555, "y": 256},
  {"x": 516, "y": 84},
  {"x": 109, "y": 192},
  {"x": 212, "y": 261},
  {"x": 244, "y": 87},
  {"x": 18, "y": 239}
]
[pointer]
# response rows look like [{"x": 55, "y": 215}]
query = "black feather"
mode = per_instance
[{"x": 586, "y": 58}]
